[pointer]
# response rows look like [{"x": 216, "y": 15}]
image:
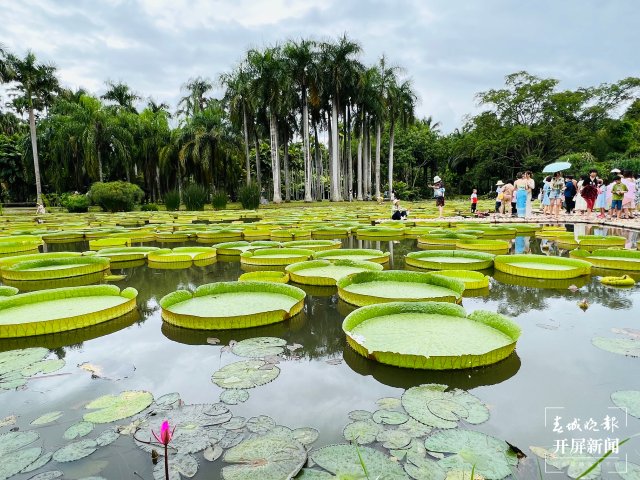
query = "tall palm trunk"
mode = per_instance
[
  {"x": 34, "y": 151},
  {"x": 349, "y": 188},
  {"x": 305, "y": 146},
  {"x": 287, "y": 175},
  {"x": 378, "y": 128},
  {"x": 100, "y": 174},
  {"x": 258, "y": 173},
  {"x": 246, "y": 144},
  {"x": 275, "y": 157},
  {"x": 318, "y": 155},
  {"x": 335, "y": 160},
  {"x": 359, "y": 166},
  {"x": 392, "y": 132}
]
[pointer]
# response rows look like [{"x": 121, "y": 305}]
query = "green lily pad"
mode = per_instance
[
  {"x": 415, "y": 451},
  {"x": 629, "y": 347},
  {"x": 48, "y": 475},
  {"x": 575, "y": 464},
  {"x": 424, "y": 469},
  {"x": 415, "y": 428},
  {"x": 491, "y": 458},
  {"x": 305, "y": 435},
  {"x": 235, "y": 423},
  {"x": 47, "y": 418},
  {"x": 311, "y": 474},
  {"x": 107, "y": 437},
  {"x": 233, "y": 397},
  {"x": 78, "y": 430},
  {"x": 38, "y": 463},
  {"x": 179, "y": 465},
  {"x": 168, "y": 399},
  {"x": 18, "y": 460},
  {"x": 432, "y": 405},
  {"x": 344, "y": 461},
  {"x": 16, "y": 360},
  {"x": 628, "y": 470},
  {"x": 75, "y": 451},
  {"x": 110, "y": 408},
  {"x": 629, "y": 400},
  {"x": 12, "y": 441},
  {"x": 389, "y": 403},
  {"x": 360, "y": 415},
  {"x": 231, "y": 439},
  {"x": 212, "y": 453},
  {"x": 394, "y": 439},
  {"x": 362, "y": 431},
  {"x": 389, "y": 417},
  {"x": 260, "y": 424},
  {"x": 259, "y": 347},
  {"x": 245, "y": 374},
  {"x": 44, "y": 367},
  {"x": 266, "y": 458}
]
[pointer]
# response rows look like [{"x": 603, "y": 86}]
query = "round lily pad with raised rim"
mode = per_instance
[
  {"x": 17, "y": 244},
  {"x": 264, "y": 276},
  {"x": 12, "y": 260},
  {"x": 109, "y": 242},
  {"x": 362, "y": 254},
  {"x": 380, "y": 232},
  {"x": 234, "y": 249},
  {"x": 628, "y": 260},
  {"x": 541, "y": 266},
  {"x": 171, "y": 236},
  {"x": 430, "y": 335},
  {"x": 448, "y": 238},
  {"x": 326, "y": 273},
  {"x": 485, "y": 245},
  {"x": 125, "y": 254},
  {"x": 289, "y": 234},
  {"x": 275, "y": 256},
  {"x": 7, "y": 291},
  {"x": 54, "y": 268},
  {"x": 368, "y": 288},
  {"x": 222, "y": 234},
  {"x": 450, "y": 260},
  {"x": 472, "y": 280},
  {"x": 591, "y": 241},
  {"x": 225, "y": 305},
  {"x": 63, "y": 237},
  {"x": 62, "y": 309},
  {"x": 315, "y": 245},
  {"x": 181, "y": 254}
]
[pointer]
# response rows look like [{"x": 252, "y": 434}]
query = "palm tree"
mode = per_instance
[
  {"x": 300, "y": 58},
  {"x": 121, "y": 95},
  {"x": 35, "y": 88},
  {"x": 195, "y": 100},
  {"x": 400, "y": 101}
]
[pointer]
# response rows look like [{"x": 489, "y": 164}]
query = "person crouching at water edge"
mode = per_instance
[
  {"x": 397, "y": 212},
  {"x": 438, "y": 193}
]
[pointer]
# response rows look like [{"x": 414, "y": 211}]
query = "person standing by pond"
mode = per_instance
[
  {"x": 569, "y": 194},
  {"x": 546, "y": 195},
  {"x": 618, "y": 191},
  {"x": 507, "y": 198},
  {"x": 590, "y": 190},
  {"x": 474, "y": 200},
  {"x": 629, "y": 200},
  {"x": 601, "y": 200},
  {"x": 522, "y": 186},
  {"x": 528, "y": 177},
  {"x": 555, "y": 197},
  {"x": 438, "y": 193},
  {"x": 499, "y": 196}
]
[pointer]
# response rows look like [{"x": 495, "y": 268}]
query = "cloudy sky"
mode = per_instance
[{"x": 450, "y": 48}]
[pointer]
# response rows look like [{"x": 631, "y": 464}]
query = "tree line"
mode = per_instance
[{"x": 305, "y": 120}]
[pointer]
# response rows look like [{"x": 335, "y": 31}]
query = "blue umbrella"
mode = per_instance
[{"x": 556, "y": 167}]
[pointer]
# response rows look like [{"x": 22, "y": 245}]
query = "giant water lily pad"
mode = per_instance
[
  {"x": 450, "y": 260},
  {"x": 362, "y": 254},
  {"x": 266, "y": 458},
  {"x": 232, "y": 305},
  {"x": 419, "y": 335},
  {"x": 259, "y": 347},
  {"x": 245, "y": 374},
  {"x": 542, "y": 266},
  {"x": 110, "y": 408},
  {"x": 432, "y": 405},
  {"x": 327, "y": 273},
  {"x": 629, "y": 400},
  {"x": 54, "y": 268},
  {"x": 345, "y": 461},
  {"x": 490, "y": 457}
]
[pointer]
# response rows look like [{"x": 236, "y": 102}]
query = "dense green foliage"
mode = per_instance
[
  {"x": 195, "y": 197},
  {"x": 76, "y": 203},
  {"x": 219, "y": 200},
  {"x": 149, "y": 207},
  {"x": 278, "y": 104},
  {"x": 249, "y": 196},
  {"x": 116, "y": 196},
  {"x": 172, "y": 200}
]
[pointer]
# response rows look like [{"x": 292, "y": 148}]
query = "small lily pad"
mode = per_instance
[
  {"x": 244, "y": 374},
  {"x": 47, "y": 418},
  {"x": 179, "y": 465},
  {"x": 415, "y": 428},
  {"x": 359, "y": 415},
  {"x": 234, "y": 423},
  {"x": 77, "y": 430},
  {"x": 168, "y": 399},
  {"x": 231, "y": 439},
  {"x": 629, "y": 347},
  {"x": 233, "y": 397},
  {"x": 17, "y": 360},
  {"x": 362, "y": 431},
  {"x": 75, "y": 451},
  {"x": 266, "y": 458},
  {"x": 424, "y": 469},
  {"x": 259, "y": 347},
  {"x": 394, "y": 439},
  {"x": 260, "y": 424},
  {"x": 389, "y": 403},
  {"x": 345, "y": 461},
  {"x": 212, "y": 453},
  {"x": 44, "y": 367},
  {"x": 107, "y": 437},
  {"x": 389, "y": 417},
  {"x": 575, "y": 464},
  {"x": 628, "y": 400},
  {"x": 305, "y": 435},
  {"x": 110, "y": 408}
]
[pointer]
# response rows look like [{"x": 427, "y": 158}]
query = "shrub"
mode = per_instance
[
  {"x": 75, "y": 203},
  {"x": 195, "y": 197},
  {"x": 116, "y": 196},
  {"x": 172, "y": 200},
  {"x": 219, "y": 200},
  {"x": 149, "y": 207},
  {"x": 249, "y": 196}
]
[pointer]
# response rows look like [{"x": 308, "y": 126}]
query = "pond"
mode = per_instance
[{"x": 556, "y": 371}]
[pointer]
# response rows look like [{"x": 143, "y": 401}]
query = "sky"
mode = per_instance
[{"x": 451, "y": 49}]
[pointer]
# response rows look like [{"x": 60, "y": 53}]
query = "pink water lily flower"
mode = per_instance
[{"x": 165, "y": 435}]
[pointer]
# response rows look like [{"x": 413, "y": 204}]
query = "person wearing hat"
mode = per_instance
[
  {"x": 397, "y": 213},
  {"x": 499, "y": 195},
  {"x": 438, "y": 193}
]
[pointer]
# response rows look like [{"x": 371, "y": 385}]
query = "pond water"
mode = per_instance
[{"x": 555, "y": 371}]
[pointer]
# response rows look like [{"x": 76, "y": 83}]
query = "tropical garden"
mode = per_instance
[{"x": 304, "y": 120}]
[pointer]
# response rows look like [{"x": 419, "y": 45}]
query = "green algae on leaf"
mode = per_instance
[
  {"x": 245, "y": 374},
  {"x": 628, "y": 400},
  {"x": 345, "y": 461},
  {"x": 259, "y": 347},
  {"x": 266, "y": 458},
  {"x": 110, "y": 408},
  {"x": 490, "y": 457}
]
